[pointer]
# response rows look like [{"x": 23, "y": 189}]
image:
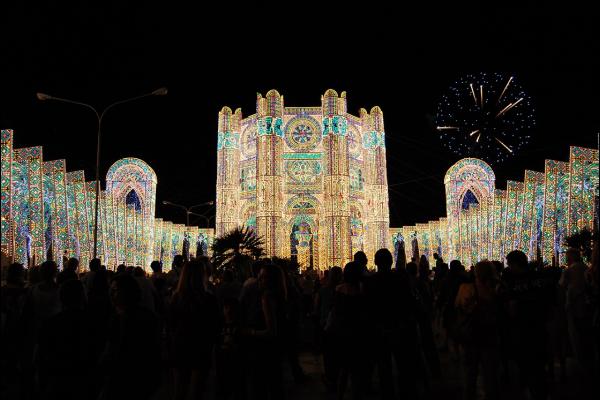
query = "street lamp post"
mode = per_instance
[
  {"x": 44, "y": 97},
  {"x": 188, "y": 210}
]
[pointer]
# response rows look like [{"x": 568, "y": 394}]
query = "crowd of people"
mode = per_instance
[{"x": 103, "y": 334}]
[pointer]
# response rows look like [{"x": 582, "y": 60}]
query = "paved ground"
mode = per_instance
[{"x": 447, "y": 388}]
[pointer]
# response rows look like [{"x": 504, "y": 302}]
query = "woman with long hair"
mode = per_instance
[
  {"x": 349, "y": 324},
  {"x": 264, "y": 336},
  {"x": 193, "y": 324},
  {"x": 478, "y": 309}
]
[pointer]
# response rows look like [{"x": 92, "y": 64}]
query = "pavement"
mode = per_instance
[{"x": 449, "y": 387}]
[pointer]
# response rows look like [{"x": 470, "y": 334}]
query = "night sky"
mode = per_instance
[{"x": 400, "y": 59}]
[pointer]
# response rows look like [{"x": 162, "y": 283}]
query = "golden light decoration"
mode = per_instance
[
  {"x": 533, "y": 216},
  {"x": 47, "y": 212},
  {"x": 312, "y": 181}
]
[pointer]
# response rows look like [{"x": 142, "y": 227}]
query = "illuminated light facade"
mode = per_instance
[
  {"x": 312, "y": 178},
  {"x": 48, "y": 212},
  {"x": 533, "y": 216},
  {"x": 312, "y": 181}
]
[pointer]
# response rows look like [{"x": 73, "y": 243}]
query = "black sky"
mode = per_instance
[{"x": 401, "y": 59}]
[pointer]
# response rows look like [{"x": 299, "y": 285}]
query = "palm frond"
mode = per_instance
[{"x": 238, "y": 246}]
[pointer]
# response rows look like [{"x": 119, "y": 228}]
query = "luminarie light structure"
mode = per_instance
[
  {"x": 48, "y": 213},
  {"x": 312, "y": 181},
  {"x": 533, "y": 216}
]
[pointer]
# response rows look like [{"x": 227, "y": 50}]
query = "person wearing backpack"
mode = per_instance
[{"x": 478, "y": 310}]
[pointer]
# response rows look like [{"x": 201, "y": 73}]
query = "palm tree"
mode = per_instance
[{"x": 236, "y": 248}]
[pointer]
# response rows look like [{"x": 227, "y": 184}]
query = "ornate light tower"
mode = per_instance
[
  {"x": 228, "y": 172},
  {"x": 336, "y": 180},
  {"x": 269, "y": 163}
]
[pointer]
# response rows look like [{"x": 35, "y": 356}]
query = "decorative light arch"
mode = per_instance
[
  {"x": 467, "y": 176},
  {"x": 248, "y": 214},
  {"x": 303, "y": 204},
  {"x": 131, "y": 189}
]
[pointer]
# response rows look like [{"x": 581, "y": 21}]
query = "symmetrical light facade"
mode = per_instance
[
  {"x": 534, "y": 216},
  {"x": 48, "y": 212},
  {"x": 312, "y": 181}
]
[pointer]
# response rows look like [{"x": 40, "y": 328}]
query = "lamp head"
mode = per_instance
[
  {"x": 43, "y": 96},
  {"x": 160, "y": 92}
]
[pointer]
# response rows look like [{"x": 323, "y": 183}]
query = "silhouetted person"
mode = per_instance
[
  {"x": 131, "y": 360},
  {"x": 41, "y": 303},
  {"x": 479, "y": 308},
  {"x": 558, "y": 331},
  {"x": 438, "y": 260},
  {"x": 33, "y": 275},
  {"x": 249, "y": 296},
  {"x": 499, "y": 268},
  {"x": 350, "y": 326},
  {"x": 99, "y": 309},
  {"x": 13, "y": 296},
  {"x": 69, "y": 271},
  {"x": 297, "y": 308},
  {"x": 412, "y": 273},
  {"x": 324, "y": 304},
  {"x": 449, "y": 290},
  {"x": 161, "y": 291},
  {"x": 503, "y": 326},
  {"x": 441, "y": 272},
  {"x": 65, "y": 357},
  {"x": 425, "y": 318},
  {"x": 578, "y": 311},
  {"x": 158, "y": 278},
  {"x": 523, "y": 297},
  {"x": 174, "y": 273},
  {"x": 148, "y": 293},
  {"x": 193, "y": 322},
  {"x": 264, "y": 341},
  {"x": 230, "y": 379},
  {"x": 121, "y": 269},
  {"x": 88, "y": 277},
  {"x": 229, "y": 288},
  {"x": 394, "y": 310},
  {"x": 361, "y": 259},
  {"x": 65, "y": 258}
]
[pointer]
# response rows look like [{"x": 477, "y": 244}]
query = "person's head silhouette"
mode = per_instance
[
  {"x": 517, "y": 261},
  {"x": 352, "y": 273},
  {"x": 361, "y": 258},
  {"x": 95, "y": 264},
  {"x": 48, "y": 271},
  {"x": 156, "y": 267},
  {"x": 383, "y": 260},
  {"x": 178, "y": 261}
]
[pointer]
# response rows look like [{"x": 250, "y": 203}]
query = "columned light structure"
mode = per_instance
[
  {"x": 534, "y": 216},
  {"x": 311, "y": 181},
  {"x": 48, "y": 213}
]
